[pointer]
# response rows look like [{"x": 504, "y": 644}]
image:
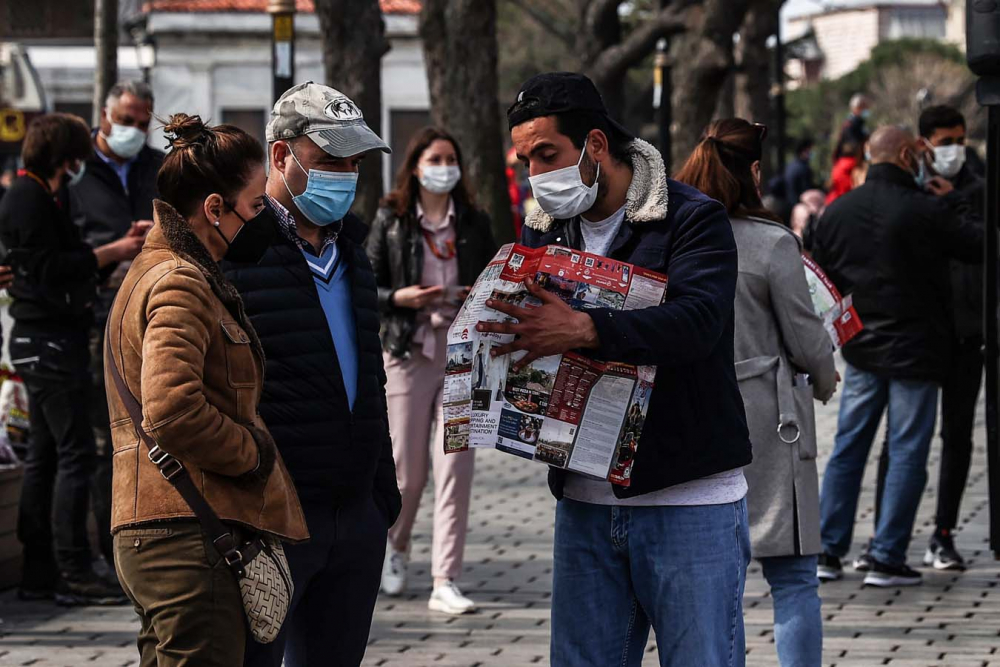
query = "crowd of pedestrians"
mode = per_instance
[{"x": 221, "y": 358}]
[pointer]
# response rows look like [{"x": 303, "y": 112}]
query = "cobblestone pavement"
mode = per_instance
[{"x": 951, "y": 620}]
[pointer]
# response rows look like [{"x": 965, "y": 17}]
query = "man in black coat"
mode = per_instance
[
  {"x": 313, "y": 301},
  {"x": 888, "y": 244},
  {"x": 942, "y": 128},
  {"x": 53, "y": 295},
  {"x": 798, "y": 174},
  {"x": 115, "y": 196},
  {"x": 674, "y": 545}
]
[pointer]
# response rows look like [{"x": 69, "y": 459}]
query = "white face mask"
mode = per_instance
[
  {"x": 948, "y": 160},
  {"x": 76, "y": 176},
  {"x": 440, "y": 179},
  {"x": 125, "y": 141},
  {"x": 562, "y": 193}
]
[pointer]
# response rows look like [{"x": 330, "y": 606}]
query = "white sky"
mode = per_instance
[{"x": 793, "y": 7}]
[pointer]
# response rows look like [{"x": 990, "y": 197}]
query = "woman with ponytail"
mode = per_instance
[
  {"x": 185, "y": 350},
  {"x": 784, "y": 359}
]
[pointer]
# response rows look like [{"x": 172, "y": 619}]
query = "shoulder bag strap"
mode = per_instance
[{"x": 175, "y": 472}]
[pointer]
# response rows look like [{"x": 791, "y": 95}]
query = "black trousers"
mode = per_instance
[
  {"x": 336, "y": 576},
  {"x": 52, "y": 516},
  {"x": 959, "y": 395}
]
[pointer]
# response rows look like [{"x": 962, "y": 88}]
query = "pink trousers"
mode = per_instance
[{"x": 413, "y": 392}]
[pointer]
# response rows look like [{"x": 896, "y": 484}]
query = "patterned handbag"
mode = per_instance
[{"x": 259, "y": 563}]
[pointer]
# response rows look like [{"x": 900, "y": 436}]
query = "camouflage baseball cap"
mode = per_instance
[{"x": 326, "y": 116}]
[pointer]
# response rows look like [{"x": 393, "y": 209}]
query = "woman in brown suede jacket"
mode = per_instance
[{"x": 187, "y": 352}]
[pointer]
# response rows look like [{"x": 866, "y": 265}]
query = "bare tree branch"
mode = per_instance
[
  {"x": 545, "y": 20},
  {"x": 613, "y": 62}
]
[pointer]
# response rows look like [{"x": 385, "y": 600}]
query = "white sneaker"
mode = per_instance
[
  {"x": 393, "y": 571},
  {"x": 448, "y": 599}
]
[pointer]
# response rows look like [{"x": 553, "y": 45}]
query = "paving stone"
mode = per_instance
[{"x": 952, "y": 620}]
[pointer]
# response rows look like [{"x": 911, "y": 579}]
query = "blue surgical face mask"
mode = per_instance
[
  {"x": 921, "y": 176},
  {"x": 328, "y": 195}
]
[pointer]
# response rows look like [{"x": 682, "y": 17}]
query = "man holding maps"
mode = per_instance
[{"x": 670, "y": 550}]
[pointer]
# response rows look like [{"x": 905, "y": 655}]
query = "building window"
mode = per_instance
[
  {"x": 81, "y": 109},
  {"x": 916, "y": 23},
  {"x": 251, "y": 121}
]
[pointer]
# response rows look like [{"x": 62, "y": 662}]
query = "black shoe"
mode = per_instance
[
  {"x": 828, "y": 568},
  {"x": 87, "y": 589},
  {"x": 890, "y": 576},
  {"x": 26, "y": 594},
  {"x": 38, "y": 576},
  {"x": 941, "y": 552}
]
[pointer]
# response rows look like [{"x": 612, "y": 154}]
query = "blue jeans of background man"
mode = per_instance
[
  {"x": 336, "y": 576},
  {"x": 912, "y": 411},
  {"x": 620, "y": 570},
  {"x": 798, "y": 619}
]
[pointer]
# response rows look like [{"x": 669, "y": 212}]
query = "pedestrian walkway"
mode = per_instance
[{"x": 952, "y": 620}]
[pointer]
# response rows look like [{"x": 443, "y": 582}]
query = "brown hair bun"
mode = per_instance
[
  {"x": 205, "y": 160},
  {"x": 184, "y": 131}
]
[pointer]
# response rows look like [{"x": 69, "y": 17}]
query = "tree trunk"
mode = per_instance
[
  {"x": 726, "y": 106},
  {"x": 354, "y": 42},
  {"x": 601, "y": 30},
  {"x": 703, "y": 57},
  {"x": 755, "y": 77},
  {"x": 460, "y": 50},
  {"x": 105, "y": 53}
]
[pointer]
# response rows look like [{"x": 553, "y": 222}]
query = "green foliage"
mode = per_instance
[{"x": 819, "y": 110}]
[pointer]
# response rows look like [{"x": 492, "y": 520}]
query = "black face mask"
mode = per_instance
[{"x": 253, "y": 238}]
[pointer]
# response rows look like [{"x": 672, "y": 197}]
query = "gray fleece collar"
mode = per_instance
[{"x": 647, "y": 196}]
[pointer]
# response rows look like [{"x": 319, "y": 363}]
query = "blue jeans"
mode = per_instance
[
  {"x": 621, "y": 570},
  {"x": 912, "y": 410},
  {"x": 798, "y": 621}
]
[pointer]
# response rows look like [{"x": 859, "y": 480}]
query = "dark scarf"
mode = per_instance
[{"x": 189, "y": 247}]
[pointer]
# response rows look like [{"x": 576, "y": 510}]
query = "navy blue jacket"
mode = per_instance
[
  {"x": 798, "y": 179},
  {"x": 696, "y": 425},
  {"x": 332, "y": 454}
]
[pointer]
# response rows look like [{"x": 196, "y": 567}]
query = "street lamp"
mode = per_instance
[
  {"x": 145, "y": 48},
  {"x": 662, "y": 91},
  {"x": 283, "y": 45},
  {"x": 982, "y": 30},
  {"x": 146, "y": 55},
  {"x": 778, "y": 99}
]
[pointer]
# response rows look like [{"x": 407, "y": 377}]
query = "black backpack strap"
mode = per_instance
[{"x": 174, "y": 472}]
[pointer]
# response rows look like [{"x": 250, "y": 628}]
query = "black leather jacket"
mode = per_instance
[{"x": 395, "y": 248}]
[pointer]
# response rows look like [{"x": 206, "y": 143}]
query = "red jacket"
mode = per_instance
[{"x": 841, "y": 181}]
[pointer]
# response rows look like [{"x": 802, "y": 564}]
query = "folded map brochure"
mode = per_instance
[
  {"x": 569, "y": 411},
  {"x": 839, "y": 317}
]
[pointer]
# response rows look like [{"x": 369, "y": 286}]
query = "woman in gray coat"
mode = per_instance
[{"x": 784, "y": 359}]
